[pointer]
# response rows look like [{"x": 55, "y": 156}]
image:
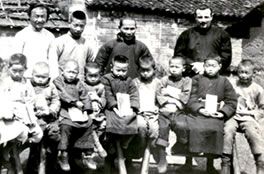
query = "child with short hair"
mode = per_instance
[
  {"x": 47, "y": 106},
  {"x": 172, "y": 94},
  {"x": 11, "y": 130},
  {"x": 22, "y": 96},
  {"x": 212, "y": 100},
  {"x": 249, "y": 113},
  {"x": 96, "y": 91},
  {"x": 75, "y": 125},
  {"x": 121, "y": 108},
  {"x": 147, "y": 85}
]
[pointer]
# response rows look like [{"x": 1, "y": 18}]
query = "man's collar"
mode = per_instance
[
  {"x": 121, "y": 39},
  {"x": 202, "y": 30},
  {"x": 34, "y": 29},
  {"x": 77, "y": 39}
]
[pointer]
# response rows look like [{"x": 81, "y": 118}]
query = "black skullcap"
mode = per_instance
[{"x": 36, "y": 4}]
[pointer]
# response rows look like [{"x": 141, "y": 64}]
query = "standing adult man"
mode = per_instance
[
  {"x": 71, "y": 46},
  {"x": 125, "y": 44},
  {"x": 203, "y": 41},
  {"x": 34, "y": 40}
]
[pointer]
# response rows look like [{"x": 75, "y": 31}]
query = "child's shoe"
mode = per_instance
[
  {"x": 63, "y": 161},
  {"x": 88, "y": 161}
]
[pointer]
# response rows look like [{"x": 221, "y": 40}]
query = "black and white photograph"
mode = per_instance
[{"x": 132, "y": 86}]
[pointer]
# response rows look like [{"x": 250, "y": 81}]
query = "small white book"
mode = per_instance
[
  {"x": 147, "y": 100},
  {"x": 211, "y": 103},
  {"x": 173, "y": 91},
  {"x": 123, "y": 104},
  {"x": 77, "y": 115}
]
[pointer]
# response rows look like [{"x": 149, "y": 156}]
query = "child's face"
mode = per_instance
[
  {"x": 211, "y": 67},
  {"x": 146, "y": 72},
  {"x": 176, "y": 67},
  {"x": 92, "y": 76},
  {"x": 245, "y": 74},
  {"x": 70, "y": 72},
  {"x": 120, "y": 69},
  {"x": 40, "y": 77},
  {"x": 17, "y": 72}
]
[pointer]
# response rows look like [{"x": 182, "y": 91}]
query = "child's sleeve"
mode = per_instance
[
  {"x": 84, "y": 97},
  {"x": 64, "y": 96},
  {"x": 259, "y": 112},
  {"x": 54, "y": 106},
  {"x": 230, "y": 100},
  {"x": 30, "y": 95},
  {"x": 102, "y": 96},
  {"x": 134, "y": 96},
  {"x": 110, "y": 96},
  {"x": 193, "y": 104},
  {"x": 184, "y": 96},
  {"x": 161, "y": 98}
]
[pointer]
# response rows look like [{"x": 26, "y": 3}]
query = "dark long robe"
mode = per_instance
[
  {"x": 114, "y": 124},
  {"x": 206, "y": 133}
]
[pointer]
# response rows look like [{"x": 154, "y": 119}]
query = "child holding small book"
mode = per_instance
[
  {"x": 11, "y": 129},
  {"x": 249, "y": 113},
  {"x": 21, "y": 94},
  {"x": 172, "y": 94},
  {"x": 122, "y": 106},
  {"x": 96, "y": 91},
  {"x": 213, "y": 100},
  {"x": 75, "y": 125}
]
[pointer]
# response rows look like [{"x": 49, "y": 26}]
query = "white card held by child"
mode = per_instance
[
  {"x": 173, "y": 91},
  {"x": 123, "y": 104},
  {"x": 77, "y": 115},
  {"x": 211, "y": 103},
  {"x": 147, "y": 100}
]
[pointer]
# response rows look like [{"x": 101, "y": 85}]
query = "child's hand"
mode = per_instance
[
  {"x": 217, "y": 115},
  {"x": 95, "y": 106},
  {"x": 40, "y": 113},
  {"x": 244, "y": 112},
  {"x": 129, "y": 113},
  {"x": 176, "y": 102},
  {"x": 204, "y": 112},
  {"x": 117, "y": 112},
  {"x": 79, "y": 104},
  {"x": 170, "y": 107},
  {"x": 93, "y": 96}
]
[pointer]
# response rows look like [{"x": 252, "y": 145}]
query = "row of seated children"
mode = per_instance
[
  {"x": 32, "y": 108},
  {"x": 199, "y": 129},
  {"x": 175, "y": 96}
]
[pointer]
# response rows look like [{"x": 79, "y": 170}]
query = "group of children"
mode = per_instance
[{"x": 67, "y": 114}]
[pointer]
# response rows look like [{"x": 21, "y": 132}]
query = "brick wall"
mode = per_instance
[
  {"x": 157, "y": 32},
  {"x": 253, "y": 48}
]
